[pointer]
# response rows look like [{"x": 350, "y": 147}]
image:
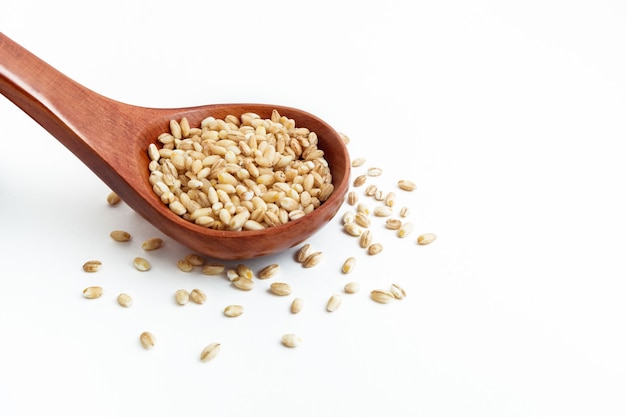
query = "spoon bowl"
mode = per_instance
[{"x": 112, "y": 138}]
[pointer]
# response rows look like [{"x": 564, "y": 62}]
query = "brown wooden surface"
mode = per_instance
[{"x": 111, "y": 138}]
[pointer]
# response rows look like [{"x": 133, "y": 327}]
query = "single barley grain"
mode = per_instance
[
  {"x": 370, "y": 190},
  {"x": 93, "y": 292},
  {"x": 379, "y": 195},
  {"x": 141, "y": 264},
  {"x": 357, "y": 162},
  {"x": 181, "y": 297},
  {"x": 353, "y": 198},
  {"x": 233, "y": 310},
  {"x": 113, "y": 198},
  {"x": 348, "y": 265},
  {"x": 244, "y": 271},
  {"x": 210, "y": 352},
  {"x": 362, "y": 220},
  {"x": 92, "y": 266},
  {"x": 374, "y": 171},
  {"x": 404, "y": 211},
  {"x": 390, "y": 199},
  {"x": 184, "y": 265},
  {"x": 353, "y": 229},
  {"x": 405, "y": 229},
  {"x": 359, "y": 181},
  {"x": 363, "y": 209},
  {"x": 296, "y": 305},
  {"x": 383, "y": 211},
  {"x": 291, "y": 340},
  {"x": 393, "y": 224},
  {"x": 381, "y": 296},
  {"x": 352, "y": 287},
  {"x": 124, "y": 300},
  {"x": 197, "y": 296},
  {"x": 195, "y": 259},
  {"x": 426, "y": 239},
  {"x": 147, "y": 340},
  {"x": 280, "y": 288},
  {"x": 244, "y": 284},
  {"x": 232, "y": 275},
  {"x": 374, "y": 249},
  {"x": 345, "y": 138},
  {"x": 348, "y": 217},
  {"x": 398, "y": 292},
  {"x": 312, "y": 260},
  {"x": 269, "y": 271},
  {"x": 333, "y": 303},
  {"x": 366, "y": 239},
  {"x": 407, "y": 185},
  {"x": 120, "y": 236},
  {"x": 152, "y": 244},
  {"x": 213, "y": 269}
]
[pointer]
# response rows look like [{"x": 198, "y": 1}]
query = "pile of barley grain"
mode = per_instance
[{"x": 244, "y": 173}]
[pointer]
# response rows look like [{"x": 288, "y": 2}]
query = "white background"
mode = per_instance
[{"x": 508, "y": 115}]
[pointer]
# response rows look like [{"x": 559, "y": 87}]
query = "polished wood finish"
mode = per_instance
[{"x": 111, "y": 138}]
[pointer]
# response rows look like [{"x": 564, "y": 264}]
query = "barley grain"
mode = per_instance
[
  {"x": 233, "y": 310},
  {"x": 141, "y": 264},
  {"x": 210, "y": 352},
  {"x": 244, "y": 284},
  {"x": 374, "y": 249},
  {"x": 113, "y": 199},
  {"x": 296, "y": 305},
  {"x": 195, "y": 259},
  {"x": 382, "y": 211},
  {"x": 269, "y": 271},
  {"x": 362, "y": 220},
  {"x": 244, "y": 271},
  {"x": 93, "y": 292},
  {"x": 381, "y": 296},
  {"x": 370, "y": 190},
  {"x": 197, "y": 296},
  {"x": 374, "y": 171},
  {"x": 366, "y": 239},
  {"x": 426, "y": 239},
  {"x": 124, "y": 300},
  {"x": 390, "y": 199},
  {"x": 407, "y": 185},
  {"x": 352, "y": 287},
  {"x": 393, "y": 224},
  {"x": 181, "y": 296},
  {"x": 357, "y": 162},
  {"x": 184, "y": 265},
  {"x": 404, "y": 212},
  {"x": 312, "y": 260},
  {"x": 280, "y": 288},
  {"x": 398, "y": 292},
  {"x": 348, "y": 265},
  {"x": 303, "y": 252},
  {"x": 333, "y": 303},
  {"x": 120, "y": 236},
  {"x": 147, "y": 340},
  {"x": 213, "y": 269},
  {"x": 359, "y": 181},
  {"x": 152, "y": 244},
  {"x": 92, "y": 266},
  {"x": 353, "y": 229},
  {"x": 291, "y": 340},
  {"x": 405, "y": 229},
  {"x": 353, "y": 198}
]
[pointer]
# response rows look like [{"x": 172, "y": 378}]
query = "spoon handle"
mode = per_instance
[{"x": 78, "y": 117}]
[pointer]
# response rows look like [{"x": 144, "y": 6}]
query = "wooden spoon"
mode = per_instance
[{"x": 112, "y": 139}]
